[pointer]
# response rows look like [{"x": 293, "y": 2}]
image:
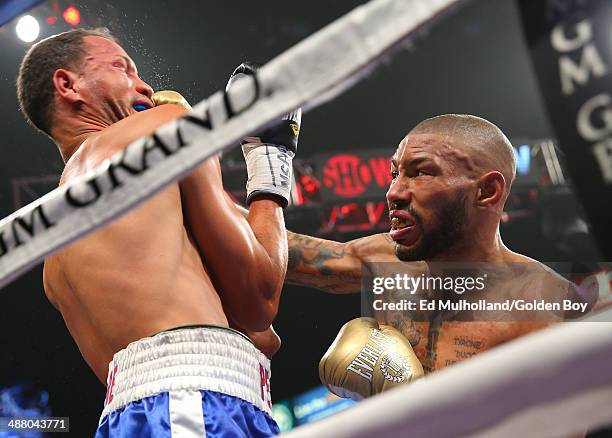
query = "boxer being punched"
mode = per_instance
[
  {"x": 451, "y": 176},
  {"x": 136, "y": 296}
]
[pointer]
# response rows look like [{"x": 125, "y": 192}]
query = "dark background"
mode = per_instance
[{"x": 474, "y": 61}]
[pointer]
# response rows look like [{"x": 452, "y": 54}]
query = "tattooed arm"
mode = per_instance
[
  {"x": 330, "y": 266},
  {"x": 333, "y": 266}
]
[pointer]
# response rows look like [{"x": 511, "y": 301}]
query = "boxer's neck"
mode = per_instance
[
  {"x": 479, "y": 247},
  {"x": 70, "y": 132}
]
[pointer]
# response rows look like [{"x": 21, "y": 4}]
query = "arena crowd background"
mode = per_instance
[{"x": 474, "y": 61}]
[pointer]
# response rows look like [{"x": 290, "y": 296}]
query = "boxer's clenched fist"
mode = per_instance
[{"x": 367, "y": 358}]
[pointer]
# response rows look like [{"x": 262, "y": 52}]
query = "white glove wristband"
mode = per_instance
[{"x": 269, "y": 169}]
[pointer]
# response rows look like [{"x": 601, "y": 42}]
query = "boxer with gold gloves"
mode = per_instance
[
  {"x": 451, "y": 176},
  {"x": 150, "y": 299}
]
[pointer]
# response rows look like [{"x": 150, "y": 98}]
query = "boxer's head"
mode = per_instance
[
  {"x": 79, "y": 72},
  {"x": 451, "y": 177}
]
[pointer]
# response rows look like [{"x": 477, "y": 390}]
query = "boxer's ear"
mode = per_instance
[
  {"x": 65, "y": 85},
  {"x": 491, "y": 188}
]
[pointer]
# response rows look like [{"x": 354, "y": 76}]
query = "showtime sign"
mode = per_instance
[{"x": 354, "y": 175}]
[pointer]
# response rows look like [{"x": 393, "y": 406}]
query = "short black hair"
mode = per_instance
[{"x": 34, "y": 83}]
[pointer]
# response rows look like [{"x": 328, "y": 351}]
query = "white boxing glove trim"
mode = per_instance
[{"x": 269, "y": 169}]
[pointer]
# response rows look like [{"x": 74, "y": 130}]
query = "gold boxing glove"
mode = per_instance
[
  {"x": 367, "y": 358},
  {"x": 165, "y": 97}
]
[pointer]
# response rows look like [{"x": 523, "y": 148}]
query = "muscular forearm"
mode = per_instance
[
  {"x": 311, "y": 263},
  {"x": 322, "y": 264},
  {"x": 271, "y": 234},
  {"x": 247, "y": 261},
  {"x": 267, "y": 222},
  {"x": 330, "y": 266}
]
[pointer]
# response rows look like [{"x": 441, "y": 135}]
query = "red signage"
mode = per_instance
[
  {"x": 362, "y": 174},
  {"x": 357, "y": 216}
]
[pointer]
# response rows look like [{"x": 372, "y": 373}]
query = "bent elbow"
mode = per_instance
[{"x": 257, "y": 318}]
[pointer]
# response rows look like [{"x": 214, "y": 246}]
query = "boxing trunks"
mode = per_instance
[{"x": 188, "y": 382}]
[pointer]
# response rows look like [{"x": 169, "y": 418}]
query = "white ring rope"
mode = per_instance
[
  {"x": 316, "y": 69},
  {"x": 550, "y": 384}
]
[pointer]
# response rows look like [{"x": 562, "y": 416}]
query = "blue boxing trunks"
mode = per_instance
[{"x": 188, "y": 382}]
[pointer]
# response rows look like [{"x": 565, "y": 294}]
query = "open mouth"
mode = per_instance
[
  {"x": 403, "y": 230},
  {"x": 398, "y": 223}
]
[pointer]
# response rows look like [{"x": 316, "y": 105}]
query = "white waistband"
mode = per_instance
[{"x": 209, "y": 358}]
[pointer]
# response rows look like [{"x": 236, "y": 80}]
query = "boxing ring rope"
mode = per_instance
[
  {"x": 553, "y": 383},
  {"x": 308, "y": 74}
]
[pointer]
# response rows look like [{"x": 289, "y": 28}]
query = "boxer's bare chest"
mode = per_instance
[
  {"x": 440, "y": 344},
  {"x": 443, "y": 336}
]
